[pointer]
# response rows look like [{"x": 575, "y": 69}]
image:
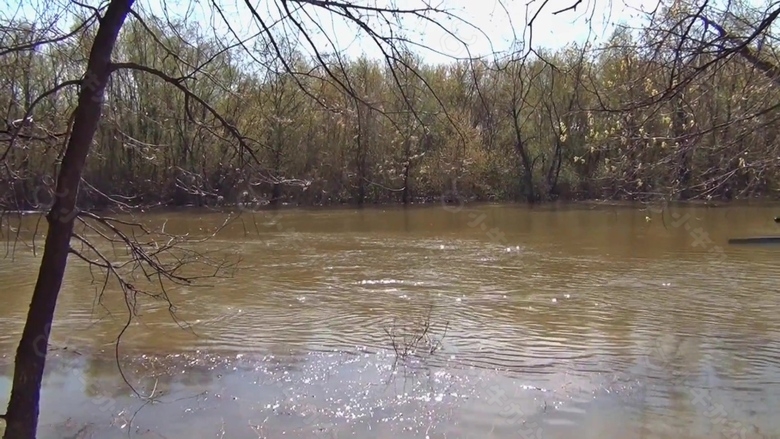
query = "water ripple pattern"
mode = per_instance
[{"x": 591, "y": 305}]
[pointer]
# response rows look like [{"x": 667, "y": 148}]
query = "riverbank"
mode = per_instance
[{"x": 449, "y": 204}]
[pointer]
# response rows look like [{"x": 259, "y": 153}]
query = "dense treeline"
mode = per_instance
[{"x": 582, "y": 122}]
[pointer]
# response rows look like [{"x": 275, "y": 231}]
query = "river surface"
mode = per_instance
[{"x": 578, "y": 321}]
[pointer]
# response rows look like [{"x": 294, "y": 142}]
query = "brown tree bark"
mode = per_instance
[
  {"x": 522, "y": 151},
  {"x": 22, "y": 415}
]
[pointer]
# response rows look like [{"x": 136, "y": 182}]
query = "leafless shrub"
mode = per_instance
[{"x": 416, "y": 337}]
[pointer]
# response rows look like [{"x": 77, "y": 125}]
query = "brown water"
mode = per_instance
[{"x": 571, "y": 322}]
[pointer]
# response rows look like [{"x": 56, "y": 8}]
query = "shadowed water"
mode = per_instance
[{"x": 570, "y": 322}]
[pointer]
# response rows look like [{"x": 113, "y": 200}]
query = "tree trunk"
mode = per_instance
[
  {"x": 554, "y": 172},
  {"x": 276, "y": 194},
  {"x": 685, "y": 150},
  {"x": 528, "y": 176},
  {"x": 405, "y": 194},
  {"x": 520, "y": 149},
  {"x": 361, "y": 173},
  {"x": 22, "y": 415}
]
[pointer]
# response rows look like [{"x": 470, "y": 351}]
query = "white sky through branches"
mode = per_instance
[{"x": 486, "y": 26}]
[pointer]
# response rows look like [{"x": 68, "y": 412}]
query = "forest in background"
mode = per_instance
[{"x": 649, "y": 113}]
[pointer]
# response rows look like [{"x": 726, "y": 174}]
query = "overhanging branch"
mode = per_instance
[{"x": 179, "y": 84}]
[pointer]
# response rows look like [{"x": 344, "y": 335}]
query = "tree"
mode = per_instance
[
  {"x": 411, "y": 119},
  {"x": 279, "y": 101},
  {"x": 22, "y": 414},
  {"x": 520, "y": 107}
]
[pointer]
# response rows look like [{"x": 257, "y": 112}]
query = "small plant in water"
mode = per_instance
[{"x": 416, "y": 337}]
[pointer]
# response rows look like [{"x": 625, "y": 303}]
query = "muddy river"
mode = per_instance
[{"x": 578, "y": 321}]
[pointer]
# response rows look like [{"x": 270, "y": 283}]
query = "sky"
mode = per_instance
[
  {"x": 487, "y": 25},
  {"x": 494, "y": 25}
]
